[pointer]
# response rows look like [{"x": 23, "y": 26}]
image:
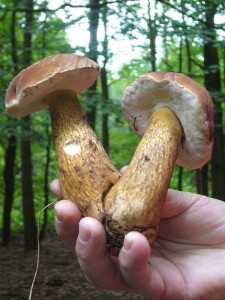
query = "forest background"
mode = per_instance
[{"x": 126, "y": 38}]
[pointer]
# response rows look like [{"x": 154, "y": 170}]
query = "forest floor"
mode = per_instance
[{"x": 59, "y": 275}]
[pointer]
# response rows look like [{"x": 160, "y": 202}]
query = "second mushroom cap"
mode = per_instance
[{"x": 187, "y": 99}]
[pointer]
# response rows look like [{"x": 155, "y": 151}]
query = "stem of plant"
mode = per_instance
[
  {"x": 135, "y": 202},
  {"x": 85, "y": 171}
]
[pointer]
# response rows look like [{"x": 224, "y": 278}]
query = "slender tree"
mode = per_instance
[
  {"x": 48, "y": 137},
  {"x": 9, "y": 179},
  {"x": 152, "y": 33},
  {"x": 180, "y": 69},
  {"x": 93, "y": 17},
  {"x": 10, "y": 154},
  {"x": 104, "y": 83},
  {"x": 30, "y": 228},
  {"x": 46, "y": 181}
]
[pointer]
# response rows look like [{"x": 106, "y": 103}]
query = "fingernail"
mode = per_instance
[
  {"x": 58, "y": 215},
  {"x": 84, "y": 233},
  {"x": 127, "y": 243}
]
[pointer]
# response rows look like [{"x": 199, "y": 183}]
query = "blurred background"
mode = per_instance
[{"x": 126, "y": 38}]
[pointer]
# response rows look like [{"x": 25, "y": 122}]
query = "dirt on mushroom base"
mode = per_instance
[{"x": 59, "y": 275}]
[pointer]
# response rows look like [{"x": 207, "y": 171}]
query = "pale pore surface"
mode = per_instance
[{"x": 145, "y": 96}]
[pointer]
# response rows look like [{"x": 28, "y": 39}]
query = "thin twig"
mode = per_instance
[{"x": 38, "y": 247}]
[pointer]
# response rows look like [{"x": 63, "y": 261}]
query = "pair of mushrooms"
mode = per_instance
[{"x": 172, "y": 113}]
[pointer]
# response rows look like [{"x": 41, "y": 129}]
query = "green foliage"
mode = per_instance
[
  {"x": 188, "y": 180},
  {"x": 123, "y": 143}
]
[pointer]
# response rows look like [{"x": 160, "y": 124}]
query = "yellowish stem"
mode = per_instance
[
  {"x": 85, "y": 171},
  {"x": 135, "y": 202}
]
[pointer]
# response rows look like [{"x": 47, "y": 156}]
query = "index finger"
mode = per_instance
[{"x": 56, "y": 189}]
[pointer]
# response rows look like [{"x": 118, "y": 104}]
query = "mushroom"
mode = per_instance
[
  {"x": 85, "y": 171},
  {"x": 174, "y": 116}
]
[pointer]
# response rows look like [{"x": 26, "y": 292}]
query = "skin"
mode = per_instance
[{"x": 187, "y": 261}]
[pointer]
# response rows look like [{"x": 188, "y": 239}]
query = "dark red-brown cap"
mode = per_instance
[{"x": 27, "y": 91}]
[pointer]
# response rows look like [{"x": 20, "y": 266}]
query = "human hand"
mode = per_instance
[{"x": 187, "y": 261}]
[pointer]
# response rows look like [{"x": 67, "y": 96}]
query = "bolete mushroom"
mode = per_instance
[
  {"x": 85, "y": 171},
  {"x": 174, "y": 116}
]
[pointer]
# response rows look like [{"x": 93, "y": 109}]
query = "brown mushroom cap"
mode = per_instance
[
  {"x": 187, "y": 99},
  {"x": 26, "y": 93}
]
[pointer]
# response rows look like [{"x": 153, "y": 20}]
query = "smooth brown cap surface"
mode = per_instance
[
  {"x": 27, "y": 91},
  {"x": 190, "y": 102}
]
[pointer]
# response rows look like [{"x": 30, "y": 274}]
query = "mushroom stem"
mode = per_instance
[
  {"x": 85, "y": 171},
  {"x": 135, "y": 202}
]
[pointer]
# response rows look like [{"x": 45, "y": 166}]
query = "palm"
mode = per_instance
[
  {"x": 190, "y": 255},
  {"x": 187, "y": 261}
]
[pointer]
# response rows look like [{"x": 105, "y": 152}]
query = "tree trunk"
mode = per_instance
[
  {"x": 202, "y": 180},
  {"x": 93, "y": 54},
  {"x": 48, "y": 147},
  {"x": 213, "y": 84},
  {"x": 180, "y": 179},
  {"x": 105, "y": 91},
  {"x": 152, "y": 38},
  {"x": 10, "y": 155},
  {"x": 9, "y": 179},
  {"x": 30, "y": 228},
  {"x": 46, "y": 182}
]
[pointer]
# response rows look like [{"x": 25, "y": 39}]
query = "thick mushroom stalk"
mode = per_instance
[
  {"x": 136, "y": 200},
  {"x": 85, "y": 171},
  {"x": 174, "y": 116}
]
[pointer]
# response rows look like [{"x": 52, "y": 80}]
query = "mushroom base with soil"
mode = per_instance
[{"x": 136, "y": 201}]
